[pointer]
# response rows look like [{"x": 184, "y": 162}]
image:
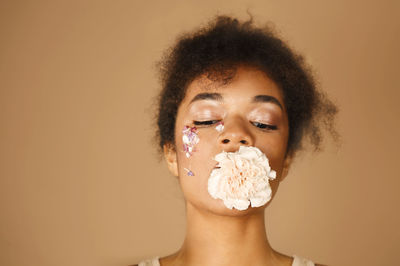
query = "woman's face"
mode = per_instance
[{"x": 252, "y": 111}]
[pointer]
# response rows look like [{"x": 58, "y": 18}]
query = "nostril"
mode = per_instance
[
  {"x": 225, "y": 141},
  {"x": 243, "y": 141}
]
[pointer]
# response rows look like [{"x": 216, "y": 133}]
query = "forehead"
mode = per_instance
[{"x": 245, "y": 84}]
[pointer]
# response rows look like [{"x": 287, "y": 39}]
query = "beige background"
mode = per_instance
[{"x": 80, "y": 182}]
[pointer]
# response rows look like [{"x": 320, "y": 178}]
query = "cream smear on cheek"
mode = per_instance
[{"x": 241, "y": 178}]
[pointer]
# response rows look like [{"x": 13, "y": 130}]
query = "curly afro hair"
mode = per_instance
[{"x": 217, "y": 50}]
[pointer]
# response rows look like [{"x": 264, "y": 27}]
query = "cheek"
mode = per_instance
[
  {"x": 194, "y": 151},
  {"x": 200, "y": 163},
  {"x": 275, "y": 150}
]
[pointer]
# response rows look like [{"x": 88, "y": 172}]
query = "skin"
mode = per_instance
[{"x": 215, "y": 234}]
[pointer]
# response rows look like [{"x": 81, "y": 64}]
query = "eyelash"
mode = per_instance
[
  {"x": 264, "y": 126},
  {"x": 259, "y": 125},
  {"x": 205, "y": 123}
]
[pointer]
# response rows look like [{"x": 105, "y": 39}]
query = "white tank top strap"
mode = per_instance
[
  {"x": 299, "y": 261},
  {"x": 150, "y": 262}
]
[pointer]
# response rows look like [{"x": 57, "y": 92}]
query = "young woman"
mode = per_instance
[{"x": 235, "y": 107}]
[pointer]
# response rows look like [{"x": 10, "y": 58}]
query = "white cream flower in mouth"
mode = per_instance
[{"x": 241, "y": 178}]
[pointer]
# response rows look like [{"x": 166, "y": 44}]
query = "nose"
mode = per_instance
[{"x": 236, "y": 133}]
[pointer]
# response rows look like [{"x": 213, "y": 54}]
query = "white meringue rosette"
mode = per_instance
[{"x": 242, "y": 178}]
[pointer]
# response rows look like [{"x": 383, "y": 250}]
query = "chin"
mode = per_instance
[{"x": 217, "y": 207}]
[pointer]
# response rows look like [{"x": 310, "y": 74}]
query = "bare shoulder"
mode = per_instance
[
  {"x": 169, "y": 260},
  {"x": 283, "y": 259}
]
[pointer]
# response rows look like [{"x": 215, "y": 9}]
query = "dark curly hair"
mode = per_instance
[{"x": 217, "y": 50}]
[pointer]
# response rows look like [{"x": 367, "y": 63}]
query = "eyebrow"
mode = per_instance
[
  {"x": 266, "y": 99},
  {"x": 207, "y": 96},
  {"x": 218, "y": 97}
]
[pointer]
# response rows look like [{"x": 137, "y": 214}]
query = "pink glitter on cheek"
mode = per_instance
[
  {"x": 189, "y": 172},
  {"x": 189, "y": 138}
]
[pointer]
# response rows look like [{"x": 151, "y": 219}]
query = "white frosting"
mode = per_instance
[{"x": 242, "y": 178}]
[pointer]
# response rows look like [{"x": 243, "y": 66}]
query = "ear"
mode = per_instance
[
  {"x": 171, "y": 159},
  {"x": 286, "y": 165}
]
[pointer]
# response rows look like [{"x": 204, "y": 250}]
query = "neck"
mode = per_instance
[{"x": 225, "y": 240}]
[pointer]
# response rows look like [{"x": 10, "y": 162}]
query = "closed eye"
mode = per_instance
[
  {"x": 205, "y": 123},
  {"x": 264, "y": 126}
]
